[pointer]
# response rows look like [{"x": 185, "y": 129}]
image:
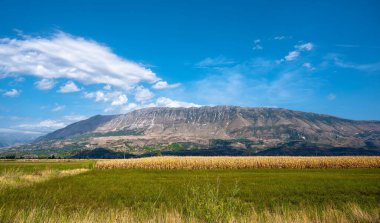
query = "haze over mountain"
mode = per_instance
[
  {"x": 10, "y": 138},
  {"x": 230, "y": 129}
]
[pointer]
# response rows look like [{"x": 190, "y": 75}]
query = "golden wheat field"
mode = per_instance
[{"x": 227, "y": 162}]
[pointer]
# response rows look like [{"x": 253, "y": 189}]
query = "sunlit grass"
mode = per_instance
[
  {"x": 185, "y": 195},
  {"x": 223, "y": 162}
]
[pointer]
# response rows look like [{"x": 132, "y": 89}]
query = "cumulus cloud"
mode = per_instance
[
  {"x": 164, "y": 85},
  {"x": 167, "y": 102},
  {"x": 116, "y": 98},
  {"x": 69, "y": 87},
  {"x": 45, "y": 84},
  {"x": 119, "y": 100},
  {"x": 66, "y": 56},
  {"x": 143, "y": 94},
  {"x": 12, "y": 93},
  {"x": 160, "y": 102}
]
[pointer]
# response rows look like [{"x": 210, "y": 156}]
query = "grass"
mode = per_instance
[
  {"x": 45, "y": 164},
  {"x": 180, "y": 195}
]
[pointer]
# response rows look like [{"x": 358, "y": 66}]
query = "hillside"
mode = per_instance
[{"x": 226, "y": 129}]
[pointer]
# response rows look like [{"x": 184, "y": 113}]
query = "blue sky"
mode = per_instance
[{"x": 63, "y": 61}]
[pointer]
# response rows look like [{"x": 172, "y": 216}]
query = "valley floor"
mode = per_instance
[{"x": 77, "y": 191}]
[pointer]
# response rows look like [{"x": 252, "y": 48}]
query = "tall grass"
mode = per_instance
[
  {"x": 352, "y": 213},
  {"x": 17, "y": 178},
  {"x": 172, "y": 162}
]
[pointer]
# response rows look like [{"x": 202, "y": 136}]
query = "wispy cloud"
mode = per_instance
[
  {"x": 337, "y": 60},
  {"x": 304, "y": 47},
  {"x": 58, "y": 108},
  {"x": 48, "y": 125},
  {"x": 214, "y": 62},
  {"x": 45, "y": 84},
  {"x": 257, "y": 45},
  {"x": 257, "y": 82},
  {"x": 164, "y": 85},
  {"x": 294, "y": 54},
  {"x": 12, "y": 93},
  {"x": 43, "y": 126},
  {"x": 308, "y": 66},
  {"x": 372, "y": 67},
  {"x": 279, "y": 37}
]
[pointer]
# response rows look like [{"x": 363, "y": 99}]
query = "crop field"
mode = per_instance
[
  {"x": 192, "y": 189},
  {"x": 225, "y": 162}
]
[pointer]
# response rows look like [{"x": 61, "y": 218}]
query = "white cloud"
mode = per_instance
[
  {"x": 214, "y": 62},
  {"x": 45, "y": 84},
  {"x": 58, "y": 108},
  {"x": 120, "y": 100},
  {"x": 370, "y": 67},
  {"x": 279, "y": 37},
  {"x": 160, "y": 102},
  {"x": 107, "y": 87},
  {"x": 248, "y": 84},
  {"x": 45, "y": 125},
  {"x": 74, "y": 118},
  {"x": 12, "y": 93},
  {"x": 164, "y": 85},
  {"x": 49, "y": 125},
  {"x": 305, "y": 47},
  {"x": 308, "y": 66},
  {"x": 69, "y": 87},
  {"x": 292, "y": 55},
  {"x": 116, "y": 98},
  {"x": 70, "y": 57},
  {"x": 129, "y": 107},
  {"x": 7, "y": 130},
  {"x": 143, "y": 94},
  {"x": 167, "y": 102}
]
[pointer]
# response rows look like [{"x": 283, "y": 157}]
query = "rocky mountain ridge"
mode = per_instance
[{"x": 254, "y": 130}]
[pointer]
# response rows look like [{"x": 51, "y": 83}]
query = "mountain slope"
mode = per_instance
[{"x": 242, "y": 128}]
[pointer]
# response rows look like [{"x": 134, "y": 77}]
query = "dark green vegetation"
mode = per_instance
[{"x": 186, "y": 191}]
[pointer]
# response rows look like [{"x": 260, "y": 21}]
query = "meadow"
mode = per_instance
[{"x": 96, "y": 191}]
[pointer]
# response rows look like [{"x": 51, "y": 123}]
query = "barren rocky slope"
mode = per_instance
[{"x": 229, "y": 127}]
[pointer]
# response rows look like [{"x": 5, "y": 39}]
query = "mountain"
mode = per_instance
[
  {"x": 227, "y": 130},
  {"x": 13, "y": 138}
]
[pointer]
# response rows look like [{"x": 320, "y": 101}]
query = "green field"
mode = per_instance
[{"x": 118, "y": 195}]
